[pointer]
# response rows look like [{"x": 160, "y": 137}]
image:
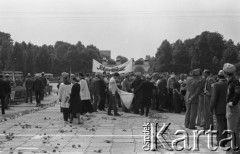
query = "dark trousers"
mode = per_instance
[
  {"x": 157, "y": 101},
  {"x": 112, "y": 104},
  {"x": 65, "y": 114},
  {"x": 170, "y": 100},
  {"x": 191, "y": 115},
  {"x": 162, "y": 100},
  {"x": 2, "y": 98},
  {"x": 38, "y": 96},
  {"x": 96, "y": 102},
  {"x": 29, "y": 94},
  {"x": 101, "y": 104},
  {"x": 146, "y": 102},
  {"x": 221, "y": 126},
  {"x": 137, "y": 103}
]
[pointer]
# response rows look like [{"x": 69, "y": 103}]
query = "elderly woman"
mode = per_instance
[{"x": 64, "y": 96}]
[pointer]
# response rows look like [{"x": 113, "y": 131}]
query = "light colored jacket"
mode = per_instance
[
  {"x": 84, "y": 91},
  {"x": 64, "y": 94}
]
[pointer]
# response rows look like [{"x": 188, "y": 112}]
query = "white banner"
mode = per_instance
[
  {"x": 123, "y": 68},
  {"x": 126, "y": 98}
]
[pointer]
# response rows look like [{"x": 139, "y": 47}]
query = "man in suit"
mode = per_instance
[
  {"x": 218, "y": 105},
  {"x": 4, "y": 90},
  {"x": 208, "y": 117},
  {"x": 192, "y": 97},
  {"x": 37, "y": 87},
  {"x": 29, "y": 87}
]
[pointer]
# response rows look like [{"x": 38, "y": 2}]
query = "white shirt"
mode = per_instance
[
  {"x": 64, "y": 94},
  {"x": 113, "y": 86},
  {"x": 84, "y": 91}
]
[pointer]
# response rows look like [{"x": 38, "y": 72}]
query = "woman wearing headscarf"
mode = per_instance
[{"x": 75, "y": 101}]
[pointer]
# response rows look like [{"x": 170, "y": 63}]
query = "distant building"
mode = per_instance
[{"x": 106, "y": 53}]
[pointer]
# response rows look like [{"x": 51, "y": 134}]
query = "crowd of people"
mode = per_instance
[
  {"x": 100, "y": 92},
  {"x": 207, "y": 96},
  {"x": 34, "y": 86}
]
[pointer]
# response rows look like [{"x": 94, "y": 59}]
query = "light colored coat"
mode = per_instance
[
  {"x": 84, "y": 91},
  {"x": 64, "y": 94}
]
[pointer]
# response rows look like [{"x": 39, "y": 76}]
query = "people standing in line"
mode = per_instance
[
  {"x": 182, "y": 83},
  {"x": 162, "y": 92},
  {"x": 192, "y": 98},
  {"x": 96, "y": 91},
  {"x": 208, "y": 117},
  {"x": 4, "y": 90},
  {"x": 137, "y": 95},
  {"x": 177, "y": 103},
  {"x": 218, "y": 105},
  {"x": 85, "y": 95},
  {"x": 170, "y": 93},
  {"x": 37, "y": 88},
  {"x": 44, "y": 81},
  {"x": 147, "y": 93},
  {"x": 155, "y": 96},
  {"x": 75, "y": 107},
  {"x": 113, "y": 89},
  {"x": 64, "y": 96},
  {"x": 29, "y": 87},
  {"x": 233, "y": 106},
  {"x": 200, "y": 112},
  {"x": 102, "y": 88}
]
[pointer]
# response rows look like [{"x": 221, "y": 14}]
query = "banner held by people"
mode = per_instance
[
  {"x": 123, "y": 68},
  {"x": 126, "y": 98}
]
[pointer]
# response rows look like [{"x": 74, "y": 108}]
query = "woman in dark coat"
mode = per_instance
[{"x": 75, "y": 101}]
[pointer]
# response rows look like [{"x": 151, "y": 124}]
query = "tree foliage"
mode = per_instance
[
  {"x": 61, "y": 56},
  {"x": 208, "y": 50}
]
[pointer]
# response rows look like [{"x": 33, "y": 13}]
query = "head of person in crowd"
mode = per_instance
[
  {"x": 28, "y": 75},
  {"x": 7, "y": 76},
  {"x": 173, "y": 78},
  {"x": 221, "y": 74},
  {"x": 229, "y": 71},
  {"x": 206, "y": 73},
  {"x": 148, "y": 77},
  {"x": 42, "y": 74},
  {"x": 65, "y": 78},
  {"x": 74, "y": 80},
  {"x": 81, "y": 75},
  {"x": 1, "y": 76},
  {"x": 138, "y": 75},
  {"x": 116, "y": 76},
  {"x": 182, "y": 77},
  {"x": 196, "y": 73}
]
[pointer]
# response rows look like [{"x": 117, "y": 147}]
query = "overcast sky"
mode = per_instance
[{"x": 131, "y": 28}]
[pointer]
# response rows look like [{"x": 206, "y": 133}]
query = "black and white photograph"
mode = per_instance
[{"x": 120, "y": 76}]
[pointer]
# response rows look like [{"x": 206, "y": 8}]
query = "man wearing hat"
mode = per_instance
[
  {"x": 29, "y": 86},
  {"x": 233, "y": 98},
  {"x": 192, "y": 98},
  {"x": 218, "y": 105}
]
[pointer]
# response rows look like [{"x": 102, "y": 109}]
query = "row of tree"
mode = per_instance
[
  {"x": 31, "y": 58},
  {"x": 209, "y": 50}
]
